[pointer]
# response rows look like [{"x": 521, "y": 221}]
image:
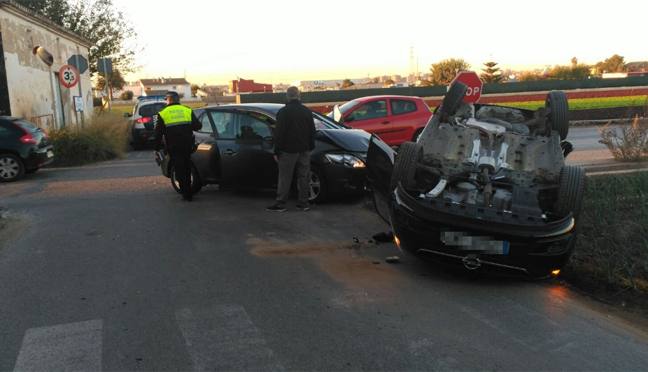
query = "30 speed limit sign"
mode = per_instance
[{"x": 69, "y": 76}]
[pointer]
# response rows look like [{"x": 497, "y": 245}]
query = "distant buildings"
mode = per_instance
[
  {"x": 249, "y": 86},
  {"x": 155, "y": 87}
]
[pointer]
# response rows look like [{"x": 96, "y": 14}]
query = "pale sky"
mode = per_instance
[{"x": 286, "y": 41}]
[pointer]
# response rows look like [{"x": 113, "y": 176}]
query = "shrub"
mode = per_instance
[
  {"x": 126, "y": 95},
  {"x": 627, "y": 143},
  {"x": 612, "y": 246},
  {"x": 104, "y": 139}
]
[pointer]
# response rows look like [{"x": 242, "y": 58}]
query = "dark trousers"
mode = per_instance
[
  {"x": 181, "y": 161},
  {"x": 290, "y": 163}
]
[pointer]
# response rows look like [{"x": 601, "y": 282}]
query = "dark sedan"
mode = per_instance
[
  {"x": 235, "y": 148},
  {"x": 24, "y": 148}
]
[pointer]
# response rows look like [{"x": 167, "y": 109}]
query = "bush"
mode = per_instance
[
  {"x": 612, "y": 247},
  {"x": 627, "y": 143},
  {"x": 106, "y": 138},
  {"x": 126, "y": 95}
]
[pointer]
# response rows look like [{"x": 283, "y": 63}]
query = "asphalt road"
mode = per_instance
[
  {"x": 585, "y": 138},
  {"x": 105, "y": 268}
]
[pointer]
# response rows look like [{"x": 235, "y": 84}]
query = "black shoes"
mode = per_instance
[{"x": 276, "y": 208}]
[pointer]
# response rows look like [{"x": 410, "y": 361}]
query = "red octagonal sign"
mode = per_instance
[{"x": 474, "y": 83}]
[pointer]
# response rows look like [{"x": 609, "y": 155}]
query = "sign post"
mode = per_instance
[
  {"x": 69, "y": 76},
  {"x": 104, "y": 65},
  {"x": 474, "y": 83},
  {"x": 81, "y": 64}
]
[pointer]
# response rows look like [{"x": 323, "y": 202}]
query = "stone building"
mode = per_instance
[{"x": 34, "y": 50}]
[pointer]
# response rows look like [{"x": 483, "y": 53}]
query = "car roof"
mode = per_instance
[
  {"x": 10, "y": 118},
  {"x": 269, "y": 108},
  {"x": 385, "y": 96}
]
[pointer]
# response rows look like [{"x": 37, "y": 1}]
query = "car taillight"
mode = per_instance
[
  {"x": 144, "y": 120},
  {"x": 28, "y": 139}
]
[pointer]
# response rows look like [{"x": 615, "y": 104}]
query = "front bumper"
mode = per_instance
[
  {"x": 528, "y": 248},
  {"x": 39, "y": 157},
  {"x": 344, "y": 180}
]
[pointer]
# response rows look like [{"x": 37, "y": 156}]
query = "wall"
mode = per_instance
[
  {"x": 181, "y": 89},
  {"x": 31, "y": 83}
]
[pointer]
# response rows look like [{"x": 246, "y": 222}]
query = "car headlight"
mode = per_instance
[{"x": 345, "y": 159}]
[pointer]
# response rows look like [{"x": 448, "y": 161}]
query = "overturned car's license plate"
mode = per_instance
[{"x": 483, "y": 244}]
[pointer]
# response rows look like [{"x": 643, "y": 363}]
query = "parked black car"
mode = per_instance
[
  {"x": 485, "y": 187},
  {"x": 235, "y": 148},
  {"x": 24, "y": 148}
]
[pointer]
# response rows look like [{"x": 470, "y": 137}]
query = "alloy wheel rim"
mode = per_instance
[
  {"x": 8, "y": 168},
  {"x": 315, "y": 186}
]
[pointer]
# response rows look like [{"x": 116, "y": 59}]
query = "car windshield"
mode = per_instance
[
  {"x": 324, "y": 122},
  {"x": 151, "y": 109},
  {"x": 347, "y": 106}
]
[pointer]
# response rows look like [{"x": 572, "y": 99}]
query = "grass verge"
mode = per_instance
[
  {"x": 611, "y": 256},
  {"x": 587, "y": 103},
  {"x": 104, "y": 139}
]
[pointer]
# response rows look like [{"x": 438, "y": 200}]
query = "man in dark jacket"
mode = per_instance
[
  {"x": 294, "y": 139},
  {"x": 176, "y": 124}
]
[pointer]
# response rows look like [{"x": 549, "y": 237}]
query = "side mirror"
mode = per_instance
[{"x": 127, "y": 114}]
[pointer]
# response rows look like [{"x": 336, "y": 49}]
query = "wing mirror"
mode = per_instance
[{"x": 127, "y": 114}]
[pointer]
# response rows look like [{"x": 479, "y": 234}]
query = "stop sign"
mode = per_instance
[{"x": 474, "y": 83}]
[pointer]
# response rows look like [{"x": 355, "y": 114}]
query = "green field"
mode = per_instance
[{"x": 587, "y": 103}]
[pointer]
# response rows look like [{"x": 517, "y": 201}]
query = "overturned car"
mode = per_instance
[{"x": 485, "y": 187}]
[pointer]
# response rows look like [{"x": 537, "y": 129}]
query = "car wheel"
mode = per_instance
[
  {"x": 11, "y": 168},
  {"x": 417, "y": 135},
  {"x": 570, "y": 191},
  {"x": 453, "y": 98},
  {"x": 558, "y": 112},
  {"x": 196, "y": 184},
  {"x": 405, "y": 164},
  {"x": 317, "y": 191}
]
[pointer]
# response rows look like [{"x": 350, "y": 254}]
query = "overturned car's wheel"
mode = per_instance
[
  {"x": 405, "y": 164},
  {"x": 453, "y": 98},
  {"x": 570, "y": 191},
  {"x": 196, "y": 184},
  {"x": 558, "y": 112}
]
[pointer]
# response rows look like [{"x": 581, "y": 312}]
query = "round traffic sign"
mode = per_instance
[
  {"x": 68, "y": 76},
  {"x": 474, "y": 83}
]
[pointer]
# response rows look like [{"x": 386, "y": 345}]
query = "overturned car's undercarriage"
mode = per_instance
[{"x": 481, "y": 174}]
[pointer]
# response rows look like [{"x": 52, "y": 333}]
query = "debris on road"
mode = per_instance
[
  {"x": 384, "y": 237},
  {"x": 392, "y": 259}
]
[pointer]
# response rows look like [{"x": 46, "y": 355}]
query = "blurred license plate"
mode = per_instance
[
  {"x": 483, "y": 244},
  {"x": 50, "y": 154}
]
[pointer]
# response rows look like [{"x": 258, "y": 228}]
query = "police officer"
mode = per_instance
[{"x": 176, "y": 124}]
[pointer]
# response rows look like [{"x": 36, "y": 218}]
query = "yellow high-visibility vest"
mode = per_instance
[{"x": 176, "y": 115}]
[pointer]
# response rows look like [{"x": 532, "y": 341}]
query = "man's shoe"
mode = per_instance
[
  {"x": 276, "y": 208},
  {"x": 303, "y": 207}
]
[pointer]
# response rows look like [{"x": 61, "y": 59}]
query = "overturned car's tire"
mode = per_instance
[
  {"x": 405, "y": 164},
  {"x": 453, "y": 98},
  {"x": 570, "y": 191},
  {"x": 558, "y": 112},
  {"x": 196, "y": 184}
]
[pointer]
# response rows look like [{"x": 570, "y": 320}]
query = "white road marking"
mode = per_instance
[
  {"x": 64, "y": 347},
  {"x": 224, "y": 338}
]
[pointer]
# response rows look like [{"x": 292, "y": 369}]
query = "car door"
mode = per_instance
[
  {"x": 206, "y": 159},
  {"x": 255, "y": 140},
  {"x": 372, "y": 116},
  {"x": 226, "y": 127},
  {"x": 405, "y": 119}
]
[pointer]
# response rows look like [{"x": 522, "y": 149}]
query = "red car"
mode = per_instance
[{"x": 395, "y": 119}]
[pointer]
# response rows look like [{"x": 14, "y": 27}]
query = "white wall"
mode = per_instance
[
  {"x": 181, "y": 89},
  {"x": 31, "y": 84}
]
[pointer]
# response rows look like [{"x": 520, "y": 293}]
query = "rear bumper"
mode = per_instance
[
  {"x": 143, "y": 136},
  {"x": 534, "y": 250},
  {"x": 39, "y": 157}
]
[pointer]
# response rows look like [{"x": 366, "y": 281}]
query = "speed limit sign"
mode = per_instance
[{"x": 69, "y": 76}]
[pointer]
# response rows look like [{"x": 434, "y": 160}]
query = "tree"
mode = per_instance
[
  {"x": 491, "y": 73},
  {"x": 126, "y": 95},
  {"x": 445, "y": 71},
  {"x": 194, "y": 89},
  {"x": 529, "y": 76},
  {"x": 347, "y": 83},
  {"x": 116, "y": 81},
  {"x": 573, "y": 72},
  {"x": 56, "y": 10},
  {"x": 615, "y": 63},
  {"x": 388, "y": 83}
]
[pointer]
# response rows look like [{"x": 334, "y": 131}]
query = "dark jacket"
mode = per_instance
[
  {"x": 178, "y": 137},
  {"x": 295, "y": 130}
]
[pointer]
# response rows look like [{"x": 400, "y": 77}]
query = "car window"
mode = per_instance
[
  {"x": 152, "y": 109},
  {"x": 30, "y": 127},
  {"x": 253, "y": 126},
  {"x": 206, "y": 125},
  {"x": 5, "y": 132},
  {"x": 225, "y": 124},
  {"x": 402, "y": 106},
  {"x": 370, "y": 110}
]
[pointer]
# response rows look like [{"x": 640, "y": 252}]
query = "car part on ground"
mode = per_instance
[{"x": 485, "y": 186}]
